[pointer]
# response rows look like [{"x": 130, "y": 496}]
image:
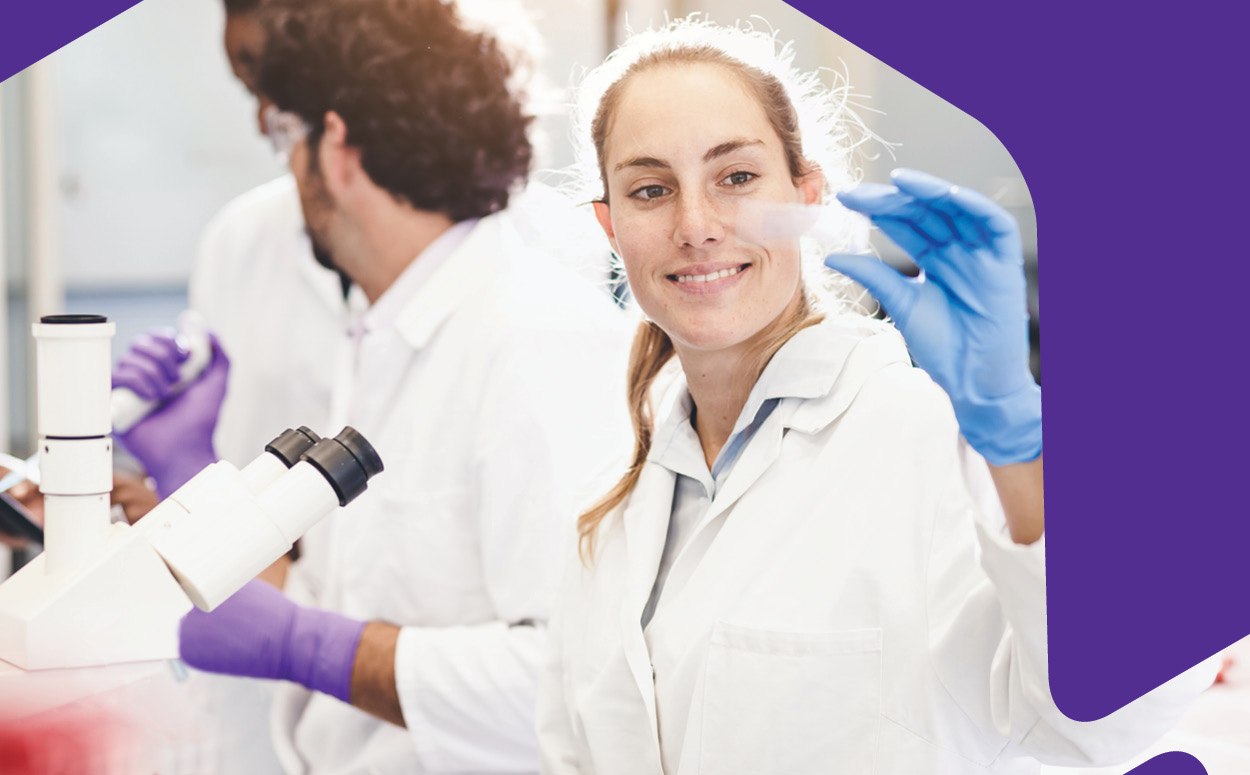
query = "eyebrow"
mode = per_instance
[
  {"x": 715, "y": 152},
  {"x": 727, "y": 148}
]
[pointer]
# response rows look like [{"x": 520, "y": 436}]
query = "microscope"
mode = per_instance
[{"x": 104, "y": 593}]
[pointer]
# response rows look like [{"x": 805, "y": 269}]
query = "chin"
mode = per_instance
[{"x": 707, "y": 337}]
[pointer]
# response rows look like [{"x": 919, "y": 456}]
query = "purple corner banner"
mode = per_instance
[
  {"x": 29, "y": 31},
  {"x": 1127, "y": 122}
]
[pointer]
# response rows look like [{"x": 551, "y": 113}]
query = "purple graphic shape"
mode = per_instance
[
  {"x": 29, "y": 31},
  {"x": 1174, "y": 763},
  {"x": 1125, "y": 122}
]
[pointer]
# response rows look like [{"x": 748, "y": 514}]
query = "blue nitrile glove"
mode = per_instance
[
  {"x": 175, "y": 441},
  {"x": 965, "y": 318},
  {"x": 260, "y": 633}
]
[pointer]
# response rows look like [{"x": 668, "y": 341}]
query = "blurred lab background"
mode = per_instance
[{"x": 117, "y": 150}]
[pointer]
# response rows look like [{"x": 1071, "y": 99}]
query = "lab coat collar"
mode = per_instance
[
  {"x": 815, "y": 375},
  {"x": 402, "y": 304},
  {"x": 815, "y": 369},
  {"x": 860, "y": 349}
]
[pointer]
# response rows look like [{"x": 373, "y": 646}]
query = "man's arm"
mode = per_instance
[{"x": 373, "y": 673}]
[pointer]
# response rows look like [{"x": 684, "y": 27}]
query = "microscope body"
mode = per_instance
[{"x": 104, "y": 593}]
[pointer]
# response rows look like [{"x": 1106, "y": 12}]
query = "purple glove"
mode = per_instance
[
  {"x": 176, "y": 440},
  {"x": 260, "y": 633}
]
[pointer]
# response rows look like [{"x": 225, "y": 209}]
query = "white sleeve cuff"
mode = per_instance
[{"x": 468, "y": 695}]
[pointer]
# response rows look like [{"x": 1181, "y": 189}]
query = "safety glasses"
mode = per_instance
[{"x": 284, "y": 130}]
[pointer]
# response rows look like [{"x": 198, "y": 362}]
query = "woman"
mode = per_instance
[{"x": 820, "y": 561}]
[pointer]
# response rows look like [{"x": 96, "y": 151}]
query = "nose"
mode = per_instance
[{"x": 698, "y": 222}]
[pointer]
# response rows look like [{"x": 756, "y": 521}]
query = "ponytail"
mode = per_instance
[{"x": 651, "y": 351}]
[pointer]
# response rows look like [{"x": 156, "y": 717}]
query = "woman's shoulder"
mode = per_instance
[{"x": 872, "y": 379}]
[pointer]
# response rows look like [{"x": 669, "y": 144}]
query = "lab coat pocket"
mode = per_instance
[{"x": 791, "y": 703}]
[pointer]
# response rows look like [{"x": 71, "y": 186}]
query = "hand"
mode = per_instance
[
  {"x": 260, "y": 633},
  {"x": 175, "y": 441},
  {"x": 27, "y": 494},
  {"x": 965, "y": 318},
  {"x": 134, "y": 495}
]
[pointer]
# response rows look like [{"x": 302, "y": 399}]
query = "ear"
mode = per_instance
[
  {"x": 812, "y": 187},
  {"x": 340, "y": 163},
  {"x": 603, "y": 214}
]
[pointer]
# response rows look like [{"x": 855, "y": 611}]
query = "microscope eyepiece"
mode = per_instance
[
  {"x": 362, "y": 450},
  {"x": 347, "y": 461},
  {"x": 79, "y": 320},
  {"x": 290, "y": 445}
]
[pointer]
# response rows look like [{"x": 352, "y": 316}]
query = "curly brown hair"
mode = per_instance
[
  {"x": 241, "y": 6},
  {"x": 426, "y": 101}
]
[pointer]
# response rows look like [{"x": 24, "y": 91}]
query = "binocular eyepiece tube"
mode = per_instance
[{"x": 229, "y": 525}]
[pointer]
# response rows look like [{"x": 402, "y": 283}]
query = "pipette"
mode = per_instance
[{"x": 129, "y": 408}]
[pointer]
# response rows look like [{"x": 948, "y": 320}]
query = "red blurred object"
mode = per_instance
[
  {"x": 59, "y": 742},
  {"x": 1225, "y": 665}
]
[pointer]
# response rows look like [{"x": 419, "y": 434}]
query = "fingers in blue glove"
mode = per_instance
[
  {"x": 920, "y": 185},
  {"x": 973, "y": 204},
  {"x": 1002, "y": 230},
  {"x": 981, "y": 219},
  {"x": 915, "y": 227},
  {"x": 896, "y": 292},
  {"x": 941, "y": 211},
  {"x": 929, "y": 253}
]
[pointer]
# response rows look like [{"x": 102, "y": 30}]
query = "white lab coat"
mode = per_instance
[
  {"x": 276, "y": 311},
  {"x": 273, "y": 308},
  {"x": 860, "y": 610},
  {"x": 496, "y": 401}
]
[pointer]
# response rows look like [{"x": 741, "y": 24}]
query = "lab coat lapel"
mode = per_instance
[
  {"x": 747, "y": 542},
  {"x": 811, "y": 408},
  {"x": 455, "y": 280},
  {"x": 645, "y": 523},
  {"x": 757, "y": 458},
  {"x": 814, "y": 392}
]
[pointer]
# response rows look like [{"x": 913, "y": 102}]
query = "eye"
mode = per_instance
[
  {"x": 739, "y": 178},
  {"x": 648, "y": 193}
]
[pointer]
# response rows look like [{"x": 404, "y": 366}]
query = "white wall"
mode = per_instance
[
  {"x": 573, "y": 35},
  {"x": 154, "y": 136}
]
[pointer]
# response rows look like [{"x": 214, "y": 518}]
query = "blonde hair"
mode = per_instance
[{"x": 818, "y": 130}]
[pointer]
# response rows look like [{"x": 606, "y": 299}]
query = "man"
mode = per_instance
[
  {"x": 256, "y": 274},
  {"x": 487, "y": 375},
  {"x": 257, "y": 248}
]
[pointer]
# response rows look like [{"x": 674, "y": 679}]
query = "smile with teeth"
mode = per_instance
[{"x": 707, "y": 278}]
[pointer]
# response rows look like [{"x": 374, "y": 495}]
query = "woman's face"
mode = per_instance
[{"x": 688, "y": 146}]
